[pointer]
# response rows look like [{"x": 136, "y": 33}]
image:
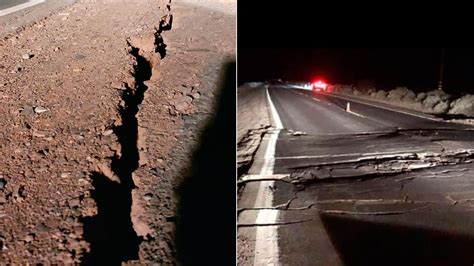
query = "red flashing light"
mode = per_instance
[{"x": 320, "y": 84}]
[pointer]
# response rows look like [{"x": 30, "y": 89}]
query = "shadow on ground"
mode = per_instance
[
  {"x": 371, "y": 243},
  {"x": 205, "y": 227},
  {"x": 110, "y": 232}
]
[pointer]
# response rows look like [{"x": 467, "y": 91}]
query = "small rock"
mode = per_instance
[
  {"x": 148, "y": 196},
  {"x": 106, "y": 171},
  {"x": 64, "y": 175},
  {"x": 57, "y": 49},
  {"x": 27, "y": 56},
  {"x": 39, "y": 109},
  {"x": 18, "y": 68},
  {"x": 40, "y": 134},
  {"x": 185, "y": 90},
  {"x": 75, "y": 131},
  {"x": 74, "y": 203},
  {"x": 118, "y": 85},
  {"x": 148, "y": 83},
  {"x": 108, "y": 132},
  {"x": 78, "y": 230},
  {"x": 157, "y": 171},
  {"x": 172, "y": 112},
  {"x": 29, "y": 238},
  {"x": 182, "y": 105},
  {"x": 78, "y": 138},
  {"x": 196, "y": 95}
]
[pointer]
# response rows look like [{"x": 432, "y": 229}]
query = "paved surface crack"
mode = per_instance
[{"x": 274, "y": 224}]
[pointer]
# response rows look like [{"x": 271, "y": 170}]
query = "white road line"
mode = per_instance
[
  {"x": 275, "y": 116},
  {"x": 266, "y": 240},
  {"x": 16, "y": 8},
  {"x": 356, "y": 114},
  {"x": 311, "y": 97},
  {"x": 383, "y": 107},
  {"x": 259, "y": 177}
]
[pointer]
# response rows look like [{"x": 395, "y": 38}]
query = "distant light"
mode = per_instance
[{"x": 320, "y": 85}]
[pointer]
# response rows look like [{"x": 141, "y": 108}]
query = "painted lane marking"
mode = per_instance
[
  {"x": 16, "y": 8},
  {"x": 266, "y": 241}
]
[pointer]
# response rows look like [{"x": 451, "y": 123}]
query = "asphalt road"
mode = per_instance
[
  {"x": 368, "y": 187},
  {"x": 15, "y": 14}
]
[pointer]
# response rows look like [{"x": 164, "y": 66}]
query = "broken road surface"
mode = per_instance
[
  {"x": 102, "y": 104},
  {"x": 365, "y": 186}
]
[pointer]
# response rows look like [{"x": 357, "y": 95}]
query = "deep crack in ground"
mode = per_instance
[{"x": 110, "y": 233}]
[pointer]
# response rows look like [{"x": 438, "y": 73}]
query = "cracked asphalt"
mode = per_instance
[{"x": 373, "y": 187}]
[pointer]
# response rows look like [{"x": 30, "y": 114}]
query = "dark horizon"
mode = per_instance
[{"x": 415, "y": 68}]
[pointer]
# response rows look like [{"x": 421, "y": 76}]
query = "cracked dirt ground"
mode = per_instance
[
  {"x": 101, "y": 106},
  {"x": 393, "y": 197}
]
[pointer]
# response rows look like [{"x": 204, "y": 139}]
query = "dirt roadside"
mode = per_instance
[
  {"x": 101, "y": 107},
  {"x": 253, "y": 121}
]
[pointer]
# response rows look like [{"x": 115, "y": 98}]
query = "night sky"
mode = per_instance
[{"x": 416, "y": 68}]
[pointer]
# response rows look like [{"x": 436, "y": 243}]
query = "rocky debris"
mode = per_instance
[
  {"x": 105, "y": 170},
  {"x": 381, "y": 94},
  {"x": 147, "y": 49},
  {"x": 436, "y": 101},
  {"x": 39, "y": 109},
  {"x": 431, "y": 102},
  {"x": 420, "y": 97},
  {"x": 182, "y": 104},
  {"x": 44, "y": 194},
  {"x": 108, "y": 132},
  {"x": 463, "y": 106},
  {"x": 73, "y": 203},
  {"x": 441, "y": 107},
  {"x": 195, "y": 95},
  {"x": 185, "y": 90},
  {"x": 401, "y": 94}
]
